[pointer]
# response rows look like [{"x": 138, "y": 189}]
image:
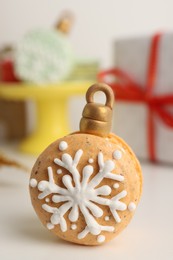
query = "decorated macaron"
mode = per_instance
[
  {"x": 44, "y": 56},
  {"x": 85, "y": 186}
]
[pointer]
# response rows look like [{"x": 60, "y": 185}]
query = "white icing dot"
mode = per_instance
[
  {"x": 117, "y": 154},
  {"x": 107, "y": 218},
  {"x": 47, "y": 199},
  {"x": 63, "y": 146},
  {"x": 100, "y": 239},
  {"x": 73, "y": 226},
  {"x": 33, "y": 183},
  {"x": 90, "y": 160},
  {"x": 59, "y": 171},
  {"x": 116, "y": 185},
  {"x": 50, "y": 226},
  {"x": 131, "y": 206}
]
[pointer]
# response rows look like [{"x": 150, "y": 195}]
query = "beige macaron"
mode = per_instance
[{"x": 85, "y": 188}]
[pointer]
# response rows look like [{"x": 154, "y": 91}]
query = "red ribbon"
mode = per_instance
[{"x": 127, "y": 89}]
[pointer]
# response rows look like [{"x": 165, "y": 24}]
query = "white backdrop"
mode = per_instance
[{"x": 97, "y": 23}]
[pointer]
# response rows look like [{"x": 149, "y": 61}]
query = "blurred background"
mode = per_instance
[
  {"x": 97, "y": 23},
  {"x": 98, "y": 35}
]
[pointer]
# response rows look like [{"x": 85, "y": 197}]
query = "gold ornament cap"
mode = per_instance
[
  {"x": 65, "y": 22},
  {"x": 97, "y": 118}
]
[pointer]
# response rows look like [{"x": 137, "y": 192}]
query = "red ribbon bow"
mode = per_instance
[{"x": 127, "y": 89}]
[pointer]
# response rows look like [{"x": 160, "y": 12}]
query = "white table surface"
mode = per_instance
[{"x": 148, "y": 236}]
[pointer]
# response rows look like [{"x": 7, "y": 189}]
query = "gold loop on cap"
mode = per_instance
[
  {"x": 97, "y": 118},
  {"x": 103, "y": 88}
]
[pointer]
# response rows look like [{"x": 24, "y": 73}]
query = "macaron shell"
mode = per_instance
[{"x": 127, "y": 166}]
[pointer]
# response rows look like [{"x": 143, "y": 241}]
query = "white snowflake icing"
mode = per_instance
[
  {"x": 73, "y": 226},
  {"x": 33, "y": 183},
  {"x": 117, "y": 154},
  {"x": 82, "y": 194},
  {"x": 47, "y": 199},
  {"x": 63, "y": 145},
  {"x": 59, "y": 171},
  {"x": 107, "y": 218},
  {"x": 100, "y": 239}
]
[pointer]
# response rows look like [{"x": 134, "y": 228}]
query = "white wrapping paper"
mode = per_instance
[{"x": 130, "y": 119}]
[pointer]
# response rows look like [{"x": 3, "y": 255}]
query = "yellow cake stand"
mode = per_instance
[{"x": 51, "y": 105}]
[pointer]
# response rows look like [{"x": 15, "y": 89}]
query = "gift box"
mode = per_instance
[{"x": 142, "y": 80}]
